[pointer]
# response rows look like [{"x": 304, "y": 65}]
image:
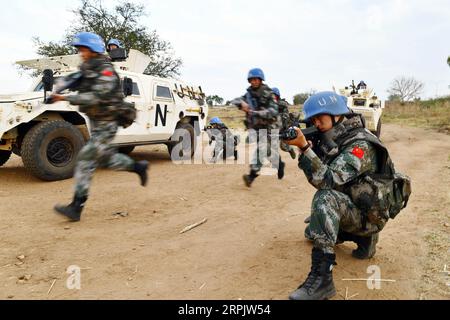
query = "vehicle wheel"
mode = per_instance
[
  {"x": 126, "y": 150},
  {"x": 188, "y": 148},
  {"x": 16, "y": 151},
  {"x": 378, "y": 132},
  {"x": 49, "y": 150},
  {"x": 4, "y": 156}
]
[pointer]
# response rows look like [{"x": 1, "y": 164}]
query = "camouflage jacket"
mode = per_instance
[
  {"x": 283, "y": 108},
  {"x": 264, "y": 114},
  {"x": 213, "y": 132},
  {"x": 355, "y": 158},
  {"x": 100, "y": 92}
]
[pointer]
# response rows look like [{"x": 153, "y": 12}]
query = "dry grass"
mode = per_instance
[{"x": 433, "y": 114}]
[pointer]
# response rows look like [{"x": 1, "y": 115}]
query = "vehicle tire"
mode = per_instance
[
  {"x": 126, "y": 150},
  {"x": 189, "y": 128},
  {"x": 49, "y": 150},
  {"x": 378, "y": 132},
  {"x": 4, "y": 156},
  {"x": 16, "y": 151}
]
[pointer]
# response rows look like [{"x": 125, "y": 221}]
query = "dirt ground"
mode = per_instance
[{"x": 251, "y": 247}]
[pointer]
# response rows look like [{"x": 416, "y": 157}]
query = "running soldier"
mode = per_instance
[
  {"x": 286, "y": 120},
  {"x": 100, "y": 97},
  {"x": 261, "y": 115}
]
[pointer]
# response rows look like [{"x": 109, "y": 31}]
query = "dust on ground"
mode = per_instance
[{"x": 251, "y": 247}]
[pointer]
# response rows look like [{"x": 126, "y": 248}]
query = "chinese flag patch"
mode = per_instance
[
  {"x": 107, "y": 73},
  {"x": 358, "y": 152}
]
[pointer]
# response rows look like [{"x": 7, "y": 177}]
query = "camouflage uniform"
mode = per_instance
[
  {"x": 227, "y": 143},
  {"x": 265, "y": 116},
  {"x": 332, "y": 209},
  {"x": 99, "y": 96},
  {"x": 286, "y": 123}
]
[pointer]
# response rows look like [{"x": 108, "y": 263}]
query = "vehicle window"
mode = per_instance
[
  {"x": 39, "y": 87},
  {"x": 360, "y": 102},
  {"x": 163, "y": 92},
  {"x": 136, "y": 91}
]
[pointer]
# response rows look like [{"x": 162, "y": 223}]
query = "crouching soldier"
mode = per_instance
[
  {"x": 217, "y": 129},
  {"x": 286, "y": 123},
  {"x": 100, "y": 97},
  {"x": 358, "y": 189}
]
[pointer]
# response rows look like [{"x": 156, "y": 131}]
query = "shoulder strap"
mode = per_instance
[{"x": 385, "y": 166}]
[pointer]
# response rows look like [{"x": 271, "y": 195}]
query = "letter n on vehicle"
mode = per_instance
[{"x": 160, "y": 115}]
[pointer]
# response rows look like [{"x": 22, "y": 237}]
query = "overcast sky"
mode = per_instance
[{"x": 299, "y": 44}]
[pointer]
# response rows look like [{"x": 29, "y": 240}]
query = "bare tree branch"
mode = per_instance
[{"x": 406, "y": 88}]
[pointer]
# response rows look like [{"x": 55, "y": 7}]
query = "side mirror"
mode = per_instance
[
  {"x": 48, "y": 80},
  {"x": 127, "y": 86}
]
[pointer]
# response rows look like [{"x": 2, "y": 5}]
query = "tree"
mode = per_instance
[
  {"x": 448, "y": 61},
  {"x": 122, "y": 22},
  {"x": 302, "y": 97},
  {"x": 394, "y": 98},
  {"x": 406, "y": 88},
  {"x": 214, "y": 100}
]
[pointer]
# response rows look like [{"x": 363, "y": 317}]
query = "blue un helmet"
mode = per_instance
[
  {"x": 256, "y": 73},
  {"x": 114, "y": 42},
  {"x": 276, "y": 91},
  {"x": 90, "y": 40},
  {"x": 215, "y": 120},
  {"x": 326, "y": 102}
]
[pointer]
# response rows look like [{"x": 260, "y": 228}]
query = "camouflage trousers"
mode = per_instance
[
  {"x": 265, "y": 150},
  {"x": 331, "y": 213},
  {"x": 98, "y": 152}
]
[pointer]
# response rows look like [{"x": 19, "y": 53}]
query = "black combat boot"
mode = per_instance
[
  {"x": 141, "y": 167},
  {"x": 344, "y": 236},
  {"x": 281, "y": 170},
  {"x": 73, "y": 210},
  {"x": 367, "y": 246},
  {"x": 319, "y": 284},
  {"x": 249, "y": 178}
]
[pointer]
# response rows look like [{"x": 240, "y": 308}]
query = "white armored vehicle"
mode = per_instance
[
  {"x": 49, "y": 136},
  {"x": 362, "y": 99}
]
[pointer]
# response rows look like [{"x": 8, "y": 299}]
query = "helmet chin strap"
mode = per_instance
[{"x": 333, "y": 119}]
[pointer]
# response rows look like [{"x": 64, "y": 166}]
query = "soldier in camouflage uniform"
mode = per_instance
[
  {"x": 262, "y": 114},
  {"x": 100, "y": 97},
  {"x": 225, "y": 140},
  {"x": 334, "y": 215},
  {"x": 286, "y": 120}
]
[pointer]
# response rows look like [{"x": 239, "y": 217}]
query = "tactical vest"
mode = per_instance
[
  {"x": 256, "y": 100},
  {"x": 113, "y": 108},
  {"x": 382, "y": 194}
]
